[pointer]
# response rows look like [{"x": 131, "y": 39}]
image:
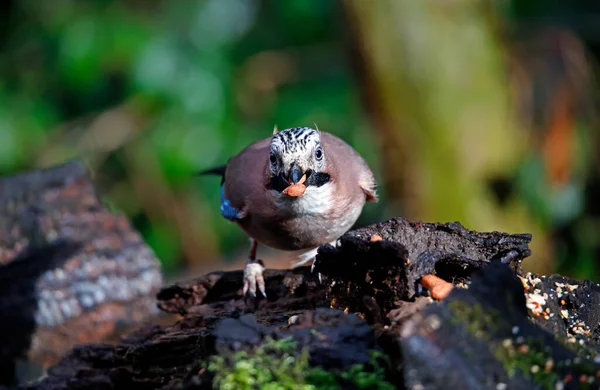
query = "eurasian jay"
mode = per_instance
[{"x": 331, "y": 183}]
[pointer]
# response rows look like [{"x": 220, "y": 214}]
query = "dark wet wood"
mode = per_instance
[{"x": 477, "y": 337}]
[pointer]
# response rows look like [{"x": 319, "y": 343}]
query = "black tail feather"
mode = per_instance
[{"x": 220, "y": 171}]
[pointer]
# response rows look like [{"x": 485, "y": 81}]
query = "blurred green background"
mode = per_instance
[{"x": 481, "y": 111}]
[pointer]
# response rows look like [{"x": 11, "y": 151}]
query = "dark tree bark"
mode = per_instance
[{"x": 71, "y": 270}]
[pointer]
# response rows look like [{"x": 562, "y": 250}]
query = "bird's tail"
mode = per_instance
[{"x": 219, "y": 171}]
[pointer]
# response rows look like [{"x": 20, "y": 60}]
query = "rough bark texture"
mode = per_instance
[
  {"x": 366, "y": 325},
  {"x": 71, "y": 271},
  {"x": 373, "y": 277}
]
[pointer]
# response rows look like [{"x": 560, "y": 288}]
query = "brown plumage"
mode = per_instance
[
  {"x": 338, "y": 183},
  {"x": 246, "y": 180}
]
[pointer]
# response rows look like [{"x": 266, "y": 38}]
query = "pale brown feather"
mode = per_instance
[
  {"x": 348, "y": 167},
  {"x": 246, "y": 177}
]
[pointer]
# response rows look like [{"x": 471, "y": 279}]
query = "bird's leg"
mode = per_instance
[
  {"x": 253, "y": 273},
  {"x": 253, "y": 247},
  {"x": 305, "y": 258}
]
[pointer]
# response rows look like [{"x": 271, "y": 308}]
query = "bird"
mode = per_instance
[{"x": 293, "y": 192}]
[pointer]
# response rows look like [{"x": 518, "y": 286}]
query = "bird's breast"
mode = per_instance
[{"x": 315, "y": 218}]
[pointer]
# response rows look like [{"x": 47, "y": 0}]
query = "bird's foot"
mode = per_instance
[
  {"x": 305, "y": 259},
  {"x": 319, "y": 275},
  {"x": 253, "y": 278}
]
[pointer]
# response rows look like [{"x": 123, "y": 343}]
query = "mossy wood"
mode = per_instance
[{"x": 367, "y": 325}]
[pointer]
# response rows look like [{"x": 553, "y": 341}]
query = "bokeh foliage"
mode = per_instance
[
  {"x": 148, "y": 93},
  {"x": 474, "y": 111}
]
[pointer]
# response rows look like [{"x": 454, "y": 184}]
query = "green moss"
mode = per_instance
[
  {"x": 367, "y": 377},
  {"x": 277, "y": 365},
  {"x": 531, "y": 358},
  {"x": 477, "y": 321}
]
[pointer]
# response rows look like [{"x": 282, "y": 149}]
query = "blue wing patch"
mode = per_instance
[{"x": 227, "y": 210}]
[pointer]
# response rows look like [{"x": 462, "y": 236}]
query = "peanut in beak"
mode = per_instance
[{"x": 296, "y": 189}]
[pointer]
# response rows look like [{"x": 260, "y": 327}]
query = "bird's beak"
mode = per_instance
[{"x": 295, "y": 174}]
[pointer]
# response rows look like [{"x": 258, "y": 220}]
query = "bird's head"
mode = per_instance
[{"x": 297, "y": 155}]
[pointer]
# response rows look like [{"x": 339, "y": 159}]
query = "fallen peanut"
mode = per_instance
[{"x": 439, "y": 287}]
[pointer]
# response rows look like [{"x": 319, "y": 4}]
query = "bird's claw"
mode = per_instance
[
  {"x": 312, "y": 270},
  {"x": 253, "y": 278}
]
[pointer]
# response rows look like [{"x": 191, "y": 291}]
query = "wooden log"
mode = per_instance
[{"x": 71, "y": 270}]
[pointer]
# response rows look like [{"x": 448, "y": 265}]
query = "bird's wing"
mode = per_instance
[
  {"x": 348, "y": 163},
  {"x": 244, "y": 180},
  {"x": 227, "y": 210}
]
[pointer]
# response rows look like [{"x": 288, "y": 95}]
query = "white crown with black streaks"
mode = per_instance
[{"x": 300, "y": 145}]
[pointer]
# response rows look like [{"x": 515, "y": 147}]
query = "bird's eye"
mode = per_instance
[
  {"x": 273, "y": 159},
  {"x": 319, "y": 154}
]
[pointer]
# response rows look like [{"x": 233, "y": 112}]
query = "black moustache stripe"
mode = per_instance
[
  {"x": 278, "y": 183},
  {"x": 317, "y": 179}
]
